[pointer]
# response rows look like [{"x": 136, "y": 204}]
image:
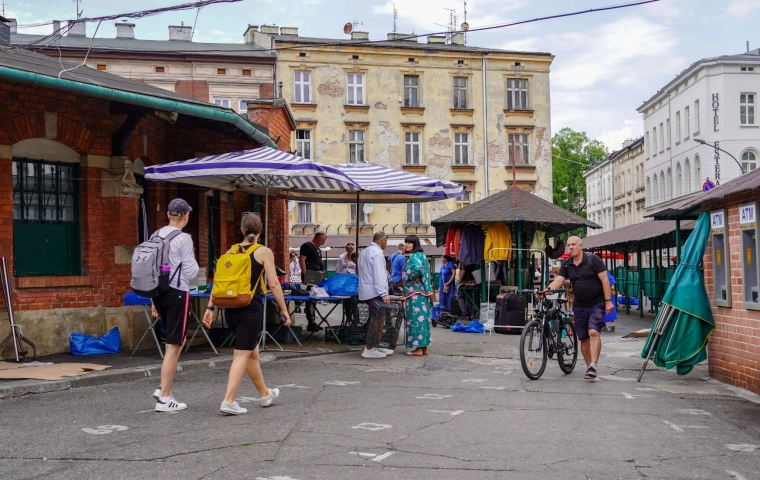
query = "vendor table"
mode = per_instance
[
  {"x": 334, "y": 301},
  {"x": 131, "y": 299},
  {"x": 472, "y": 294}
]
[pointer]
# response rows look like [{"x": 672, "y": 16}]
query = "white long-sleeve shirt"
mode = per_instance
[
  {"x": 373, "y": 276},
  {"x": 181, "y": 251}
]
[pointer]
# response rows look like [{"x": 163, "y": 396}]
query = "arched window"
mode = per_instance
[
  {"x": 749, "y": 161},
  {"x": 655, "y": 190},
  {"x": 669, "y": 185},
  {"x": 687, "y": 176},
  {"x": 697, "y": 171},
  {"x": 679, "y": 179},
  {"x": 649, "y": 191},
  {"x": 663, "y": 197}
]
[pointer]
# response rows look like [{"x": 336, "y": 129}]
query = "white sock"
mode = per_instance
[
  {"x": 592, "y": 365},
  {"x": 163, "y": 399}
]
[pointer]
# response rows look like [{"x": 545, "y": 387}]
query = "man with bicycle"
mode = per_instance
[{"x": 593, "y": 298}]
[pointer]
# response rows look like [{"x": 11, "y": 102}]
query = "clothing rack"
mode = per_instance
[{"x": 15, "y": 330}]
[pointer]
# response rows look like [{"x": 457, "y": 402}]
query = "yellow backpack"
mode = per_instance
[{"x": 232, "y": 279}]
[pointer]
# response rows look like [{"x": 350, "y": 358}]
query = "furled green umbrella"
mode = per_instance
[{"x": 679, "y": 335}]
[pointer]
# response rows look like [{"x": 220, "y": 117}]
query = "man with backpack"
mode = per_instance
[{"x": 171, "y": 303}]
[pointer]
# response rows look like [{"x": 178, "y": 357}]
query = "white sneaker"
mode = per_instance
[
  {"x": 386, "y": 351},
  {"x": 374, "y": 353},
  {"x": 171, "y": 405},
  {"x": 157, "y": 393},
  {"x": 232, "y": 408},
  {"x": 273, "y": 393}
]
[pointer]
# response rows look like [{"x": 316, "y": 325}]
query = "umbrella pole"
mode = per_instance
[
  {"x": 358, "y": 205},
  {"x": 662, "y": 323}
]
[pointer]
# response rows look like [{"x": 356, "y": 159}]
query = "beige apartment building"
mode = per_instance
[
  {"x": 629, "y": 196},
  {"x": 421, "y": 105}
]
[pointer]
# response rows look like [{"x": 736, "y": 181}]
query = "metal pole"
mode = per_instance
[
  {"x": 639, "y": 287},
  {"x": 9, "y": 306},
  {"x": 678, "y": 241},
  {"x": 358, "y": 206},
  {"x": 485, "y": 127}
]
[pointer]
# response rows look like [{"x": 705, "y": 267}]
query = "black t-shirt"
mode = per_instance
[
  {"x": 587, "y": 287},
  {"x": 313, "y": 257}
]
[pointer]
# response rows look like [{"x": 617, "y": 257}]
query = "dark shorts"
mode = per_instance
[
  {"x": 174, "y": 307},
  {"x": 246, "y": 324},
  {"x": 591, "y": 318}
]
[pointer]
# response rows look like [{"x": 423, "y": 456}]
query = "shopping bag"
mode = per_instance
[{"x": 81, "y": 344}]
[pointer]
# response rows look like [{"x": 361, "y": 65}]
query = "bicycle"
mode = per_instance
[{"x": 540, "y": 340}]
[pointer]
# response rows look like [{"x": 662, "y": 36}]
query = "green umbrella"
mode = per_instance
[{"x": 679, "y": 334}]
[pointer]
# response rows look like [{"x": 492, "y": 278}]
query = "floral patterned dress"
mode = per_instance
[{"x": 418, "y": 288}]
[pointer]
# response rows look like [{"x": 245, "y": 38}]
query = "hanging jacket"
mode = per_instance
[
  {"x": 539, "y": 241},
  {"x": 471, "y": 246},
  {"x": 499, "y": 237},
  {"x": 450, "y": 235},
  {"x": 557, "y": 251}
]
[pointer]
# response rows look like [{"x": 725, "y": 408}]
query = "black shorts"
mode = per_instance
[
  {"x": 245, "y": 323},
  {"x": 586, "y": 319},
  {"x": 174, "y": 307}
]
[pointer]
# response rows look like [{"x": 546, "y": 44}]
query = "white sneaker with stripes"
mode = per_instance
[{"x": 170, "y": 405}]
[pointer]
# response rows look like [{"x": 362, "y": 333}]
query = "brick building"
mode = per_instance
[{"x": 73, "y": 147}]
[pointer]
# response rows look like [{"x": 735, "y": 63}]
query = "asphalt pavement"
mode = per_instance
[{"x": 466, "y": 411}]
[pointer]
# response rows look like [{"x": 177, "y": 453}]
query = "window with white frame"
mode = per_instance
[
  {"x": 356, "y": 146},
  {"x": 356, "y": 88},
  {"x": 649, "y": 191},
  {"x": 663, "y": 191},
  {"x": 303, "y": 143},
  {"x": 747, "y": 109},
  {"x": 655, "y": 190},
  {"x": 413, "y": 213},
  {"x": 521, "y": 150},
  {"x": 413, "y": 146},
  {"x": 679, "y": 179},
  {"x": 749, "y": 161},
  {"x": 696, "y": 117},
  {"x": 460, "y": 92},
  {"x": 517, "y": 94},
  {"x": 462, "y": 148},
  {"x": 686, "y": 120},
  {"x": 646, "y": 144},
  {"x": 411, "y": 91},
  {"x": 662, "y": 138},
  {"x": 363, "y": 219},
  {"x": 243, "y": 106},
  {"x": 465, "y": 199},
  {"x": 678, "y": 126},
  {"x": 305, "y": 212},
  {"x": 667, "y": 127},
  {"x": 302, "y": 83},
  {"x": 687, "y": 176},
  {"x": 654, "y": 141},
  {"x": 698, "y": 171},
  {"x": 222, "y": 102}
]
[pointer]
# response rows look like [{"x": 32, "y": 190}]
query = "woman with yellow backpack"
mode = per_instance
[{"x": 238, "y": 288}]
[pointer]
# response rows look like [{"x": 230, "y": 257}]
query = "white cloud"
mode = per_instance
[{"x": 740, "y": 9}]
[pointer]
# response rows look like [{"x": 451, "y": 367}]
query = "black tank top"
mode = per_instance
[{"x": 256, "y": 269}]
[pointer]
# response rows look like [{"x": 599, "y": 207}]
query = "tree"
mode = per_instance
[{"x": 573, "y": 153}]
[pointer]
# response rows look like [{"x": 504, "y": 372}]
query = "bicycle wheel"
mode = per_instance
[
  {"x": 533, "y": 350},
  {"x": 567, "y": 353}
]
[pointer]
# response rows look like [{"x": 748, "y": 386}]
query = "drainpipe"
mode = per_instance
[
  {"x": 485, "y": 126},
  {"x": 208, "y": 112}
]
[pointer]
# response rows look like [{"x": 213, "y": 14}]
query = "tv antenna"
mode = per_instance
[
  {"x": 451, "y": 28},
  {"x": 79, "y": 12},
  {"x": 395, "y": 16},
  {"x": 465, "y": 26}
]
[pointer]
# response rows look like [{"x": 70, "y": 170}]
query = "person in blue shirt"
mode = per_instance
[
  {"x": 397, "y": 260},
  {"x": 609, "y": 318}
]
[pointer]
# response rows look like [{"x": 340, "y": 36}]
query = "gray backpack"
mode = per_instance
[{"x": 150, "y": 266}]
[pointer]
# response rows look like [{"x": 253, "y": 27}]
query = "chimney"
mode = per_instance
[
  {"x": 77, "y": 29},
  {"x": 13, "y": 24},
  {"x": 270, "y": 29},
  {"x": 436, "y": 39},
  {"x": 403, "y": 37},
  {"x": 359, "y": 35},
  {"x": 628, "y": 142},
  {"x": 125, "y": 30},
  {"x": 180, "y": 33},
  {"x": 288, "y": 31},
  {"x": 5, "y": 32},
  {"x": 457, "y": 39},
  {"x": 56, "y": 26},
  {"x": 249, "y": 34}
]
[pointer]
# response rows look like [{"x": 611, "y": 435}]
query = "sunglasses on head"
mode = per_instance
[{"x": 251, "y": 213}]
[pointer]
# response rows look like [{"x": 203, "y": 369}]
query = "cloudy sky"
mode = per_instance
[{"x": 606, "y": 63}]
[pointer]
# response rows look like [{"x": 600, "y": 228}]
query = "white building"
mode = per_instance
[
  {"x": 599, "y": 206},
  {"x": 714, "y": 100}
]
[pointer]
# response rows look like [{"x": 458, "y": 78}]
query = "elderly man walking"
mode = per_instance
[
  {"x": 373, "y": 288},
  {"x": 591, "y": 289}
]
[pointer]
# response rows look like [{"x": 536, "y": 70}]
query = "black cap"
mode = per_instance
[{"x": 179, "y": 206}]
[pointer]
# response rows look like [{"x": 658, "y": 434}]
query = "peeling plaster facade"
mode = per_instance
[{"x": 384, "y": 120}]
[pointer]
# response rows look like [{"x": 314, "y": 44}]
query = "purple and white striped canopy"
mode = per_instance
[{"x": 255, "y": 171}]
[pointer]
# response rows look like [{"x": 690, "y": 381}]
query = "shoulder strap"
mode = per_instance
[{"x": 250, "y": 251}]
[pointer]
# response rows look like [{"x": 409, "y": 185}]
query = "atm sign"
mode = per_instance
[{"x": 747, "y": 214}]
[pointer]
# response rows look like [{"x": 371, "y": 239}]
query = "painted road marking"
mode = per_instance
[
  {"x": 735, "y": 475},
  {"x": 647, "y": 389},
  {"x": 104, "y": 429},
  {"x": 743, "y": 447},
  {"x": 325, "y": 350},
  {"x": 379, "y": 370},
  {"x": 503, "y": 373},
  {"x": 375, "y": 457},
  {"x": 290, "y": 385},
  {"x": 680, "y": 428},
  {"x": 695, "y": 411},
  {"x": 631, "y": 397},
  {"x": 433, "y": 396},
  {"x": 494, "y": 388},
  {"x": 372, "y": 426},
  {"x": 453, "y": 413},
  {"x": 340, "y": 383},
  {"x": 247, "y": 399},
  {"x": 475, "y": 380},
  {"x": 276, "y": 478}
]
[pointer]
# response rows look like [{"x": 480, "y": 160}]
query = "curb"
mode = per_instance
[{"x": 104, "y": 377}]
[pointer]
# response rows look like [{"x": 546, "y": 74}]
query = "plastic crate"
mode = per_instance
[
  {"x": 391, "y": 327},
  {"x": 357, "y": 315}
]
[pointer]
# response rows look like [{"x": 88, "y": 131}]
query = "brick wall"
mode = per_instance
[
  {"x": 197, "y": 89},
  {"x": 734, "y": 347}
]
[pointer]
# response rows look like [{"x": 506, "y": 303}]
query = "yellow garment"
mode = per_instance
[
  {"x": 539, "y": 241},
  {"x": 498, "y": 239}
]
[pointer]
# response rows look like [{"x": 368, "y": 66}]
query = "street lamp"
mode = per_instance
[{"x": 699, "y": 140}]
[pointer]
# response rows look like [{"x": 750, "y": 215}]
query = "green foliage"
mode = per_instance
[{"x": 573, "y": 153}]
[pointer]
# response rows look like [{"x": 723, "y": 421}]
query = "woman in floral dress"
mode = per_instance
[{"x": 418, "y": 288}]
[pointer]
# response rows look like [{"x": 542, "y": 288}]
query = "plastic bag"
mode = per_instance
[
  {"x": 344, "y": 284},
  {"x": 473, "y": 327},
  {"x": 81, "y": 344},
  {"x": 318, "y": 292}
]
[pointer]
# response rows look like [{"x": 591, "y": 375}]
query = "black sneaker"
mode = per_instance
[
  {"x": 590, "y": 373},
  {"x": 313, "y": 327}
]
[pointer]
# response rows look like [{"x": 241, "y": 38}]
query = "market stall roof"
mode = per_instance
[
  {"x": 339, "y": 242},
  {"x": 500, "y": 207},
  {"x": 641, "y": 234},
  {"x": 690, "y": 209}
]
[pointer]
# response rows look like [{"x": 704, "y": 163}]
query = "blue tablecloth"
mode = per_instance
[{"x": 131, "y": 298}]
